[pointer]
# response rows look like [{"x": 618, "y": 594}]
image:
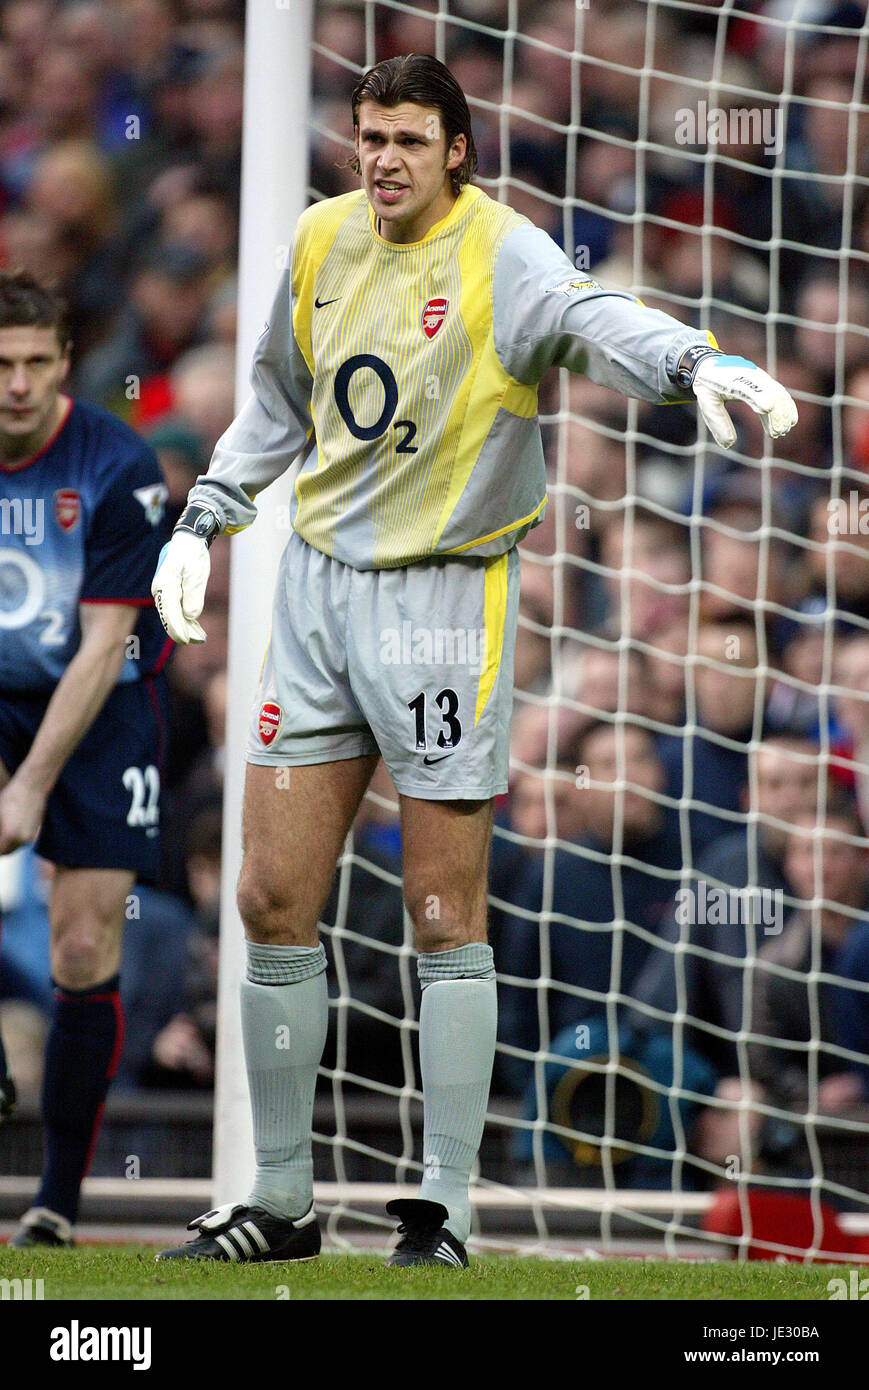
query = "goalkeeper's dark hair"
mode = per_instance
[
  {"x": 422, "y": 79},
  {"x": 26, "y": 302}
]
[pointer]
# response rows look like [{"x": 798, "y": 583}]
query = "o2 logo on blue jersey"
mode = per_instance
[
  {"x": 22, "y": 589},
  {"x": 22, "y": 593},
  {"x": 384, "y": 372}
]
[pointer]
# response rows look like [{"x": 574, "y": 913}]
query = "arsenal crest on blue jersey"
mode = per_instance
[{"x": 67, "y": 508}]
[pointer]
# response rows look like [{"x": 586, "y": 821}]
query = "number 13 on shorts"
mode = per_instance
[{"x": 448, "y": 736}]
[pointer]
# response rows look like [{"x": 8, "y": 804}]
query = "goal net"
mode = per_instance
[{"x": 678, "y": 884}]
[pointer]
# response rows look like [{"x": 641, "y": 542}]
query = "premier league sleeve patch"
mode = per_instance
[
  {"x": 569, "y": 287},
  {"x": 153, "y": 500}
]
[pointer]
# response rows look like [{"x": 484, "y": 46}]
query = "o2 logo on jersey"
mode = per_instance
[
  {"x": 271, "y": 717},
  {"x": 67, "y": 508},
  {"x": 22, "y": 594},
  {"x": 433, "y": 315},
  {"x": 22, "y": 589},
  {"x": 366, "y": 361}
]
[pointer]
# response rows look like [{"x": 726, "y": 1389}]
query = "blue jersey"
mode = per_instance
[{"x": 80, "y": 522}]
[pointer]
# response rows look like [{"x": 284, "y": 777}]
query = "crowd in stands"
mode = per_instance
[{"x": 691, "y": 720}]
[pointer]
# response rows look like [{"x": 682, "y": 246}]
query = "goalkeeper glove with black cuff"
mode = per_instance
[
  {"x": 182, "y": 573},
  {"x": 715, "y": 378}
]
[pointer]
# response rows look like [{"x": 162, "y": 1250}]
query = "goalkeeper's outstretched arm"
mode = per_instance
[{"x": 548, "y": 314}]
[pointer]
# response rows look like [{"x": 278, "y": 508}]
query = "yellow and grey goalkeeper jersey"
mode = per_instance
[{"x": 408, "y": 376}]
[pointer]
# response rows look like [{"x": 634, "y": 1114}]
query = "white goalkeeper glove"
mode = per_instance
[
  {"x": 717, "y": 378},
  {"x": 182, "y": 574}
]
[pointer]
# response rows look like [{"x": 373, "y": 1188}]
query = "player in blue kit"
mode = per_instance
[{"x": 82, "y": 707}]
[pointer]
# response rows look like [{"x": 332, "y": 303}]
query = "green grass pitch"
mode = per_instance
[{"x": 130, "y": 1272}]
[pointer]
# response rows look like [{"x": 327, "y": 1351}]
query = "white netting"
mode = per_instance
[{"x": 694, "y": 635}]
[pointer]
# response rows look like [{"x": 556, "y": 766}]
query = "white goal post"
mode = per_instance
[{"x": 274, "y": 179}]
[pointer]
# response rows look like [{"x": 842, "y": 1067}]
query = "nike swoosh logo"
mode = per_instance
[
  {"x": 428, "y": 761},
  {"x": 321, "y": 303}
]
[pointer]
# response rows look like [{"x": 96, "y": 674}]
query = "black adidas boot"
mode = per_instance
[
  {"x": 425, "y": 1239},
  {"x": 248, "y": 1235}
]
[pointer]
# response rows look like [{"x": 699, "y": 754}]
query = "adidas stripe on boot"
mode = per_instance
[{"x": 248, "y": 1235}]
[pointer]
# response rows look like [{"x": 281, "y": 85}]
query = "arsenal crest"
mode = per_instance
[
  {"x": 433, "y": 316},
  {"x": 271, "y": 717},
  {"x": 67, "y": 508}
]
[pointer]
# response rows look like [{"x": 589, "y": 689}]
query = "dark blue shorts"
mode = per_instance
[{"x": 104, "y": 811}]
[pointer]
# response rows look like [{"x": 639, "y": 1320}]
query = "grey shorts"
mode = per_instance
[{"x": 414, "y": 663}]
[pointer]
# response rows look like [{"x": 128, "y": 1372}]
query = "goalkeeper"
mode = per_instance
[{"x": 401, "y": 361}]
